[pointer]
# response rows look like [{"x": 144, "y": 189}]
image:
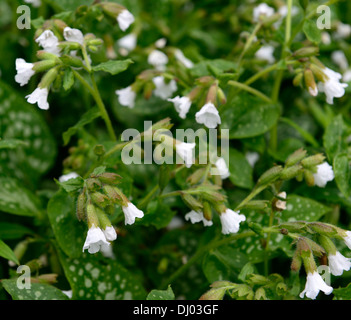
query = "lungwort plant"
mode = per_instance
[{"x": 189, "y": 149}]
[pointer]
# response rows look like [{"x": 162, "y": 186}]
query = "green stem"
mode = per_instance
[
  {"x": 249, "y": 89},
  {"x": 268, "y": 239}
]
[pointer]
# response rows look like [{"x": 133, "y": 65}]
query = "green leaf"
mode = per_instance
[
  {"x": 7, "y": 253},
  {"x": 342, "y": 293},
  {"x": 113, "y": 66},
  {"x": 16, "y": 199},
  {"x": 68, "y": 79},
  {"x": 22, "y": 121},
  {"x": 71, "y": 185},
  {"x": 311, "y": 31},
  {"x": 85, "y": 119},
  {"x": 68, "y": 231},
  {"x": 37, "y": 291},
  {"x": 341, "y": 167},
  {"x": 161, "y": 294},
  {"x": 211, "y": 67},
  {"x": 240, "y": 170},
  {"x": 248, "y": 116},
  {"x": 93, "y": 277},
  {"x": 11, "y": 143},
  {"x": 9, "y": 230}
]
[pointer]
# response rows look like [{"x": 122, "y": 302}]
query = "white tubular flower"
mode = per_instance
[
  {"x": 95, "y": 240},
  {"x": 68, "y": 176},
  {"x": 208, "y": 115},
  {"x": 324, "y": 174},
  {"x": 343, "y": 30},
  {"x": 222, "y": 168},
  {"x": 131, "y": 212},
  {"x": 231, "y": 221},
  {"x": 332, "y": 87},
  {"x": 185, "y": 151},
  {"x": 125, "y": 19},
  {"x": 157, "y": 59},
  {"x": 128, "y": 42},
  {"x": 164, "y": 90},
  {"x": 265, "y": 53},
  {"x": 195, "y": 217},
  {"x": 40, "y": 96},
  {"x": 262, "y": 10},
  {"x": 126, "y": 97},
  {"x": 24, "y": 71},
  {"x": 347, "y": 239},
  {"x": 338, "y": 263},
  {"x": 339, "y": 58},
  {"x": 49, "y": 42},
  {"x": 182, "y": 105},
  {"x": 73, "y": 35},
  {"x": 110, "y": 233},
  {"x": 179, "y": 55},
  {"x": 314, "y": 284}
]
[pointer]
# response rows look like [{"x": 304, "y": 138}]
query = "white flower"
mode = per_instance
[
  {"x": 280, "y": 204},
  {"x": 34, "y": 3},
  {"x": 265, "y": 53},
  {"x": 161, "y": 43},
  {"x": 208, "y": 115},
  {"x": 175, "y": 223},
  {"x": 347, "y": 239},
  {"x": 185, "y": 151},
  {"x": 40, "y": 96},
  {"x": 222, "y": 168},
  {"x": 24, "y": 71},
  {"x": 324, "y": 174},
  {"x": 95, "y": 240},
  {"x": 326, "y": 39},
  {"x": 73, "y": 35},
  {"x": 157, "y": 59},
  {"x": 126, "y": 97},
  {"x": 252, "y": 157},
  {"x": 195, "y": 217},
  {"x": 347, "y": 76},
  {"x": 68, "y": 176},
  {"x": 131, "y": 212},
  {"x": 343, "y": 30},
  {"x": 262, "y": 10},
  {"x": 332, "y": 87},
  {"x": 110, "y": 233},
  {"x": 340, "y": 59},
  {"x": 128, "y": 42},
  {"x": 125, "y": 19},
  {"x": 338, "y": 263},
  {"x": 231, "y": 221},
  {"x": 182, "y": 105},
  {"x": 49, "y": 42},
  {"x": 184, "y": 60},
  {"x": 164, "y": 90},
  {"x": 314, "y": 284}
]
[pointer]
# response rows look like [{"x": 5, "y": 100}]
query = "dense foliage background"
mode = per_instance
[{"x": 38, "y": 223}]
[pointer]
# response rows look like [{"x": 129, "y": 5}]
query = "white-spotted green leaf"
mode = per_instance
[
  {"x": 161, "y": 294},
  {"x": 240, "y": 170},
  {"x": 341, "y": 167},
  {"x": 7, "y": 253}
]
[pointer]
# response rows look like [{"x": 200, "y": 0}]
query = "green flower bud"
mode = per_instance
[
  {"x": 99, "y": 150},
  {"x": 256, "y": 228},
  {"x": 92, "y": 217},
  {"x": 295, "y": 157},
  {"x": 112, "y": 193},
  {"x": 109, "y": 178},
  {"x": 327, "y": 244},
  {"x": 191, "y": 202},
  {"x": 308, "y": 175},
  {"x": 80, "y": 207},
  {"x": 270, "y": 175},
  {"x": 100, "y": 199},
  {"x": 48, "y": 78},
  {"x": 313, "y": 161},
  {"x": 260, "y": 294},
  {"x": 93, "y": 184},
  {"x": 207, "y": 211},
  {"x": 306, "y": 52},
  {"x": 290, "y": 172},
  {"x": 72, "y": 61}
]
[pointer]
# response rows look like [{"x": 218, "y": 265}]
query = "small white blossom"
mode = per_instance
[
  {"x": 222, "y": 168},
  {"x": 252, "y": 157},
  {"x": 164, "y": 90},
  {"x": 128, "y": 42},
  {"x": 262, "y": 10},
  {"x": 95, "y": 240},
  {"x": 34, "y": 3},
  {"x": 126, "y": 97},
  {"x": 324, "y": 174},
  {"x": 68, "y": 176},
  {"x": 73, "y": 35},
  {"x": 230, "y": 221},
  {"x": 339, "y": 58},
  {"x": 338, "y": 263},
  {"x": 347, "y": 239},
  {"x": 157, "y": 59},
  {"x": 182, "y": 105},
  {"x": 208, "y": 115},
  {"x": 183, "y": 59},
  {"x": 347, "y": 76},
  {"x": 280, "y": 204},
  {"x": 49, "y": 42},
  {"x": 185, "y": 151},
  {"x": 265, "y": 53},
  {"x": 110, "y": 233},
  {"x": 314, "y": 284},
  {"x": 326, "y": 39},
  {"x": 125, "y": 19},
  {"x": 195, "y": 217},
  {"x": 131, "y": 212},
  {"x": 343, "y": 31},
  {"x": 40, "y": 96},
  {"x": 332, "y": 87},
  {"x": 161, "y": 43},
  {"x": 24, "y": 71}
]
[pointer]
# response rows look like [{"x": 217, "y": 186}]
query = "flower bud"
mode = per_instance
[
  {"x": 195, "y": 177},
  {"x": 295, "y": 157},
  {"x": 44, "y": 55},
  {"x": 48, "y": 78},
  {"x": 72, "y": 61},
  {"x": 207, "y": 211},
  {"x": 270, "y": 175},
  {"x": 256, "y": 205},
  {"x": 327, "y": 244},
  {"x": 323, "y": 229},
  {"x": 298, "y": 79},
  {"x": 99, "y": 199},
  {"x": 99, "y": 150},
  {"x": 221, "y": 96},
  {"x": 80, "y": 207},
  {"x": 109, "y": 178},
  {"x": 91, "y": 216},
  {"x": 306, "y": 52},
  {"x": 212, "y": 94},
  {"x": 111, "y": 192},
  {"x": 313, "y": 161},
  {"x": 290, "y": 172},
  {"x": 310, "y": 82},
  {"x": 260, "y": 294},
  {"x": 256, "y": 228},
  {"x": 93, "y": 184},
  {"x": 191, "y": 202},
  {"x": 296, "y": 262},
  {"x": 44, "y": 65},
  {"x": 308, "y": 175}
]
